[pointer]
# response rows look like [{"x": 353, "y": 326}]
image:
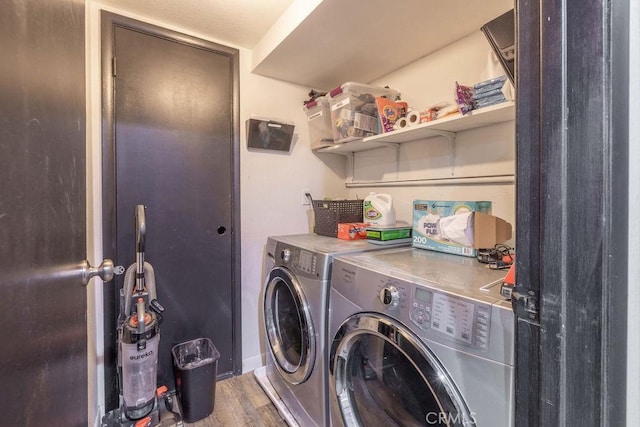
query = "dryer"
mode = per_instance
[
  {"x": 295, "y": 303},
  {"x": 419, "y": 338}
]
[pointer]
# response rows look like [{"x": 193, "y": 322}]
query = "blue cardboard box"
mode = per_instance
[{"x": 457, "y": 227}]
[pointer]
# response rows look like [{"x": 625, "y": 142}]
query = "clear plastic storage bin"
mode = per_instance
[
  {"x": 319, "y": 121},
  {"x": 354, "y": 113}
]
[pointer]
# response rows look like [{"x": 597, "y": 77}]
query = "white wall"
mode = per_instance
[
  {"x": 270, "y": 188},
  {"x": 481, "y": 152}
]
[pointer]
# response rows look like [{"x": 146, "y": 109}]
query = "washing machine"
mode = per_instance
[
  {"x": 296, "y": 294},
  {"x": 419, "y": 338}
]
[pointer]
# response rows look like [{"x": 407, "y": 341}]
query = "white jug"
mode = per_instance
[{"x": 378, "y": 209}]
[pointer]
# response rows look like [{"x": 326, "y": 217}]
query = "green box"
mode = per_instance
[{"x": 384, "y": 234}]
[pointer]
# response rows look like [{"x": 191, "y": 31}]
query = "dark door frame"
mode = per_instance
[
  {"x": 572, "y": 123},
  {"x": 108, "y": 22}
]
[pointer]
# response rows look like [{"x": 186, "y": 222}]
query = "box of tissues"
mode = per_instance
[{"x": 457, "y": 227}]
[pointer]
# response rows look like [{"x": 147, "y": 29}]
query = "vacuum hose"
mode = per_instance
[{"x": 130, "y": 281}]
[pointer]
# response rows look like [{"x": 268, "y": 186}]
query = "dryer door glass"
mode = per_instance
[
  {"x": 384, "y": 375},
  {"x": 289, "y": 326}
]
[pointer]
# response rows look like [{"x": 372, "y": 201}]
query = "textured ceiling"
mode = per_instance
[{"x": 237, "y": 22}]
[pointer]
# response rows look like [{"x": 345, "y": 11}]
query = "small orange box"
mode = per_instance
[{"x": 352, "y": 230}]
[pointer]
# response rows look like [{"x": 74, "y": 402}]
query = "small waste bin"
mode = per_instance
[{"x": 195, "y": 365}]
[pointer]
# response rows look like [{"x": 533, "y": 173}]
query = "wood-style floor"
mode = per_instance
[{"x": 240, "y": 401}]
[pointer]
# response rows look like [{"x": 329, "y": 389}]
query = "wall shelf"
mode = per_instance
[{"x": 447, "y": 126}]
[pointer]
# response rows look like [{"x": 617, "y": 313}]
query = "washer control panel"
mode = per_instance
[
  {"x": 305, "y": 261},
  {"x": 459, "y": 319}
]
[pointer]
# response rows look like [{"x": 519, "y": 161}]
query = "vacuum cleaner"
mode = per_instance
[{"x": 142, "y": 402}]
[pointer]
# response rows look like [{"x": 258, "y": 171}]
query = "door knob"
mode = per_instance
[{"x": 105, "y": 271}]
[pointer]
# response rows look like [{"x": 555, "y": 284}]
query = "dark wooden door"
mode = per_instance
[
  {"x": 173, "y": 118},
  {"x": 43, "y": 305},
  {"x": 572, "y": 212}
]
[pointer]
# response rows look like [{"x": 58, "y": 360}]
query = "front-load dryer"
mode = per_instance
[
  {"x": 419, "y": 338},
  {"x": 295, "y": 303}
]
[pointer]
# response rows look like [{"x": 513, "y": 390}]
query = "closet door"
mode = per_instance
[{"x": 172, "y": 111}]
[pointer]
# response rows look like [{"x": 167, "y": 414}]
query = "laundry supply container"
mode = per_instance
[
  {"x": 319, "y": 121},
  {"x": 196, "y": 366},
  {"x": 354, "y": 112}
]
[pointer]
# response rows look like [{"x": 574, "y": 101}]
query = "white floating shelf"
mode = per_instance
[{"x": 455, "y": 123}]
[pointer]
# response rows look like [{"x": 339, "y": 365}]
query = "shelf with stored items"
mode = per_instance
[{"x": 447, "y": 127}]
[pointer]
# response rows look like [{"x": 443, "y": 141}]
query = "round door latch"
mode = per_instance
[{"x": 105, "y": 271}]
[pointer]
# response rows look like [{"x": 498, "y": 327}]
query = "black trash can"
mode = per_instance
[{"x": 196, "y": 365}]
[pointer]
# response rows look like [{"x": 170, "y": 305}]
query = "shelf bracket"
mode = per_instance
[
  {"x": 451, "y": 137},
  {"x": 351, "y": 157},
  {"x": 397, "y": 161}
]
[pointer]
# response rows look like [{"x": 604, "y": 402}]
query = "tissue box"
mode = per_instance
[
  {"x": 352, "y": 230},
  {"x": 457, "y": 227}
]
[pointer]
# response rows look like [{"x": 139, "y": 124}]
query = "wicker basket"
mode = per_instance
[{"x": 329, "y": 213}]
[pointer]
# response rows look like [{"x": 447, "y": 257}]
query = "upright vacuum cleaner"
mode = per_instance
[{"x": 142, "y": 403}]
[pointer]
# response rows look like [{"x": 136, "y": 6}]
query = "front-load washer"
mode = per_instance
[
  {"x": 419, "y": 338},
  {"x": 296, "y": 294}
]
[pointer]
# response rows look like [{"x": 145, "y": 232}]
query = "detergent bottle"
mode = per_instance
[{"x": 378, "y": 209}]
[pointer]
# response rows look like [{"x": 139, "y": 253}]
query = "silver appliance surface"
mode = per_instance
[
  {"x": 298, "y": 269},
  {"x": 439, "y": 304},
  {"x": 450, "y": 273},
  {"x": 326, "y": 245}
]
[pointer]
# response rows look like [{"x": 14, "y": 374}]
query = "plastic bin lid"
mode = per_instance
[{"x": 364, "y": 88}]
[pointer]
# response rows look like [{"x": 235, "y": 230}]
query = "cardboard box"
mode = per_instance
[
  {"x": 457, "y": 227},
  {"x": 352, "y": 230}
]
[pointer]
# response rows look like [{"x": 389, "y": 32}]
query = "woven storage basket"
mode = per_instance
[{"x": 329, "y": 213}]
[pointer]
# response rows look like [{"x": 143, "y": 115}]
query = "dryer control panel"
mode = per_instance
[
  {"x": 302, "y": 262},
  {"x": 305, "y": 261},
  {"x": 460, "y": 319}
]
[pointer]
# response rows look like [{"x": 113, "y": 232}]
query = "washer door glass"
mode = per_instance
[
  {"x": 289, "y": 326},
  {"x": 383, "y": 375}
]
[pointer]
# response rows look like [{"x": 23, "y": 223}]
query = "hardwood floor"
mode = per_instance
[{"x": 240, "y": 401}]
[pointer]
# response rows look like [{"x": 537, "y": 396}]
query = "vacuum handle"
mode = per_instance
[{"x": 141, "y": 229}]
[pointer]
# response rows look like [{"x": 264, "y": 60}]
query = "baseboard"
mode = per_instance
[{"x": 252, "y": 363}]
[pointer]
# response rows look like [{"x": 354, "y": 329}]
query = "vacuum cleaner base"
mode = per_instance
[{"x": 165, "y": 413}]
